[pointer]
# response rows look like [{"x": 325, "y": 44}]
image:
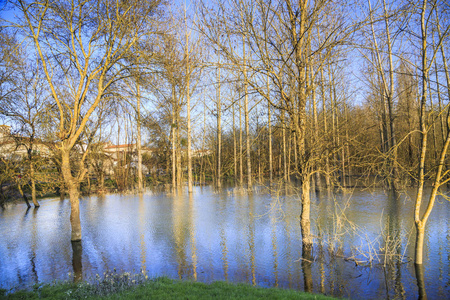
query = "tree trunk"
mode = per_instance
[
  {"x": 316, "y": 135},
  {"x": 420, "y": 226},
  {"x": 202, "y": 161},
  {"x": 102, "y": 182},
  {"x": 433, "y": 127},
  {"x": 258, "y": 158},
  {"x": 189, "y": 143},
  {"x": 174, "y": 143},
  {"x": 234, "y": 145},
  {"x": 333, "y": 121},
  {"x": 293, "y": 144},
  {"x": 325, "y": 131},
  {"x": 62, "y": 187},
  {"x": 138, "y": 146},
  {"x": 188, "y": 107},
  {"x": 283, "y": 132},
  {"x": 420, "y": 234},
  {"x": 72, "y": 185},
  {"x": 25, "y": 198},
  {"x": 289, "y": 161},
  {"x": 347, "y": 147},
  {"x": 33, "y": 185},
  {"x": 89, "y": 185},
  {"x": 241, "y": 145},
  {"x": 126, "y": 163},
  {"x": 247, "y": 121},
  {"x": 178, "y": 140},
  {"x": 269, "y": 117},
  {"x": 305, "y": 221},
  {"x": 389, "y": 98},
  {"x": 219, "y": 131},
  {"x": 441, "y": 115}
]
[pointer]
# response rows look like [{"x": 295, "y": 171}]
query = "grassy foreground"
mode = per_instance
[{"x": 160, "y": 288}]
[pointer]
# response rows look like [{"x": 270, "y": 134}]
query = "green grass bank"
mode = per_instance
[{"x": 114, "y": 287}]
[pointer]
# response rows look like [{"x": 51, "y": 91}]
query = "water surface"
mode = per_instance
[{"x": 232, "y": 236}]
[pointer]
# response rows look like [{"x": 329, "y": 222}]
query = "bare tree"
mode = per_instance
[
  {"x": 25, "y": 106},
  {"x": 276, "y": 39},
  {"x": 81, "y": 47},
  {"x": 440, "y": 175}
]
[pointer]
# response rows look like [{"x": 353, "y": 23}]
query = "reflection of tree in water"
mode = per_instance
[
  {"x": 77, "y": 252},
  {"x": 332, "y": 231},
  {"x": 307, "y": 260},
  {"x": 448, "y": 256},
  {"x": 242, "y": 225},
  {"x": 223, "y": 236},
  {"x": 393, "y": 246},
  {"x": 223, "y": 245},
  {"x": 192, "y": 217},
  {"x": 33, "y": 243},
  {"x": 420, "y": 281},
  {"x": 179, "y": 233},
  {"x": 386, "y": 250},
  {"x": 183, "y": 231},
  {"x": 273, "y": 220},
  {"x": 287, "y": 230},
  {"x": 251, "y": 241},
  {"x": 321, "y": 260},
  {"x": 306, "y": 255},
  {"x": 142, "y": 233},
  {"x": 245, "y": 223}
]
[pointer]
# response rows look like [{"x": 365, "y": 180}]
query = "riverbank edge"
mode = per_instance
[{"x": 159, "y": 288}]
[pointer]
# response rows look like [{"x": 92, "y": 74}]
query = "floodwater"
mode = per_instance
[{"x": 236, "y": 237}]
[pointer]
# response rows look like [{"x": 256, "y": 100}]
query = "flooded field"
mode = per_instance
[{"x": 363, "y": 241}]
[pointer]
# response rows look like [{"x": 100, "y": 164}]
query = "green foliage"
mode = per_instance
[{"x": 136, "y": 286}]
